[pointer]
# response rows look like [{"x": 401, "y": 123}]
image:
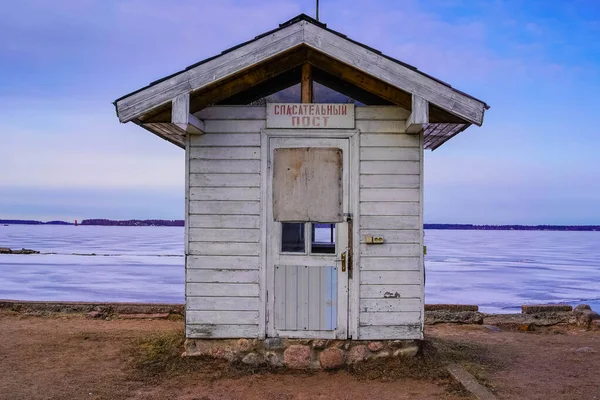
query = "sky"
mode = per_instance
[{"x": 64, "y": 155}]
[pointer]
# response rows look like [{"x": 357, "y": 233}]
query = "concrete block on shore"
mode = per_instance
[{"x": 542, "y": 308}]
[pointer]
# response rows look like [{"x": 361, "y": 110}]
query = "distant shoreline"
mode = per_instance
[{"x": 180, "y": 223}]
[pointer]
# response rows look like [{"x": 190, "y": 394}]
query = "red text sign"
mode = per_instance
[{"x": 310, "y": 116}]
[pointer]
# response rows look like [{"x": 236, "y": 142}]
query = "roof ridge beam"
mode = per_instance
[{"x": 419, "y": 117}]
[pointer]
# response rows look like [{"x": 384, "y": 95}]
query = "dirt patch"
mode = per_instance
[
  {"x": 550, "y": 363},
  {"x": 72, "y": 357}
]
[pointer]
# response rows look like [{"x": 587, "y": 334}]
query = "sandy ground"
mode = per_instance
[
  {"x": 558, "y": 363},
  {"x": 71, "y": 357}
]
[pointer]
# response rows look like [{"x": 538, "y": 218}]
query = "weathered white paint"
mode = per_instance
[
  {"x": 412, "y": 331},
  {"x": 391, "y": 297},
  {"x": 227, "y": 238},
  {"x": 310, "y": 116},
  {"x": 390, "y": 305},
  {"x": 223, "y": 303},
  {"x": 224, "y": 249},
  {"x": 220, "y": 193},
  {"x": 273, "y": 139},
  {"x": 225, "y": 180},
  {"x": 224, "y": 242},
  {"x": 419, "y": 117},
  {"x": 388, "y": 318},
  {"x": 224, "y": 221},
  {"x": 181, "y": 117},
  {"x": 225, "y": 207},
  {"x": 223, "y": 262},
  {"x": 222, "y": 276},
  {"x": 322, "y": 40},
  {"x": 215, "y": 331},
  {"x": 221, "y": 289},
  {"x": 225, "y": 235}
]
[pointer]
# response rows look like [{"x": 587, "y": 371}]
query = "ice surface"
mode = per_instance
[{"x": 498, "y": 270}]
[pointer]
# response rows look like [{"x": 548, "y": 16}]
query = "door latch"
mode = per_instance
[{"x": 343, "y": 260}]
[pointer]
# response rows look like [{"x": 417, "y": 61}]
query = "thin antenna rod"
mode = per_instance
[{"x": 317, "y": 10}]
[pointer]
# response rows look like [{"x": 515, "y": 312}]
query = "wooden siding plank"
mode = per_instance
[
  {"x": 386, "y": 140},
  {"x": 390, "y": 154},
  {"x": 225, "y": 180},
  {"x": 389, "y": 318},
  {"x": 280, "y": 296},
  {"x": 224, "y": 194},
  {"x": 217, "y": 249},
  {"x": 389, "y": 208},
  {"x": 226, "y": 140},
  {"x": 373, "y": 222},
  {"x": 221, "y": 276},
  {"x": 196, "y": 303},
  {"x": 223, "y": 262},
  {"x": 225, "y": 153},
  {"x": 390, "y": 305},
  {"x": 381, "y": 113},
  {"x": 372, "y": 126},
  {"x": 386, "y": 167},
  {"x": 390, "y": 195},
  {"x": 390, "y": 291},
  {"x": 391, "y": 277},
  {"x": 390, "y": 263},
  {"x": 390, "y": 250},
  {"x": 234, "y": 112},
  {"x": 291, "y": 297},
  {"x": 394, "y": 236},
  {"x": 303, "y": 296},
  {"x": 222, "y": 289},
  {"x": 224, "y": 235},
  {"x": 224, "y": 221},
  {"x": 234, "y": 126},
  {"x": 412, "y": 331},
  {"x": 315, "y": 299},
  {"x": 211, "y": 331},
  {"x": 225, "y": 166},
  {"x": 221, "y": 317},
  {"x": 225, "y": 207},
  {"x": 389, "y": 181}
]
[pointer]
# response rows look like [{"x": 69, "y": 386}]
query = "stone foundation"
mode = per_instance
[{"x": 300, "y": 353}]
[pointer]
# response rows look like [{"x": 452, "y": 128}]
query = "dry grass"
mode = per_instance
[{"x": 158, "y": 357}]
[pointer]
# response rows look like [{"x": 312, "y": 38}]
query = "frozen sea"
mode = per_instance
[{"x": 498, "y": 270}]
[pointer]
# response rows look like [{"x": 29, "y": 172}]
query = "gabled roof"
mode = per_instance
[{"x": 303, "y": 39}]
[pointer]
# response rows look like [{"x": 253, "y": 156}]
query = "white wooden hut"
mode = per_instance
[{"x": 304, "y": 219}]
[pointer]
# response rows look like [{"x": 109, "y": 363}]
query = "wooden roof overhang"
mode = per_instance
[{"x": 273, "y": 61}]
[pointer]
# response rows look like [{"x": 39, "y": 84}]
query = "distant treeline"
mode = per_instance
[
  {"x": 514, "y": 227},
  {"x": 32, "y": 222},
  {"x": 134, "y": 222},
  {"x": 179, "y": 222},
  {"x": 103, "y": 222}
]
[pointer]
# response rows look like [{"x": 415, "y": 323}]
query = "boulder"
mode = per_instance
[
  {"x": 245, "y": 345},
  {"x": 375, "y": 346},
  {"x": 273, "y": 359},
  {"x": 357, "y": 354},
  {"x": 297, "y": 356},
  {"x": 253, "y": 359},
  {"x": 332, "y": 358}
]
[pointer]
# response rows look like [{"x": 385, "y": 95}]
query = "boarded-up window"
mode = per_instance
[{"x": 307, "y": 184}]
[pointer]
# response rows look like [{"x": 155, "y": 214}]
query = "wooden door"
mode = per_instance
[{"x": 307, "y": 237}]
